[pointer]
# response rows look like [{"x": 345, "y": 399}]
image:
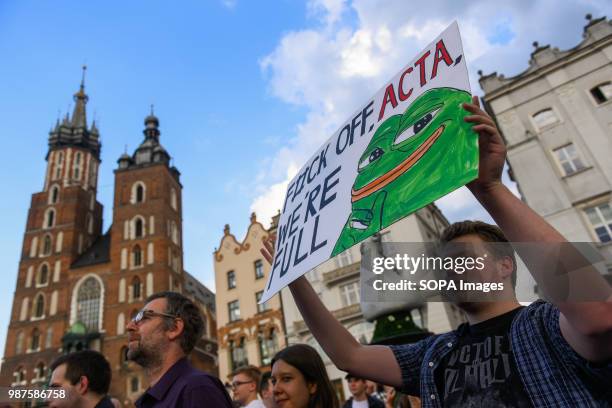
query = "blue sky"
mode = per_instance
[{"x": 245, "y": 91}]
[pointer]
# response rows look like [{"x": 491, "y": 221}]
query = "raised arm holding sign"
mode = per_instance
[{"x": 507, "y": 355}]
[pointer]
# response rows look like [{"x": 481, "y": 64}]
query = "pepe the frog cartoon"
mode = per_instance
[{"x": 412, "y": 160}]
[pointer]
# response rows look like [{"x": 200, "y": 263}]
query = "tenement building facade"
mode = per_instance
[
  {"x": 78, "y": 286},
  {"x": 249, "y": 333},
  {"x": 556, "y": 118}
]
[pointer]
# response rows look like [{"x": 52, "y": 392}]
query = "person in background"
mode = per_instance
[
  {"x": 160, "y": 337},
  {"x": 266, "y": 390},
  {"x": 245, "y": 384},
  {"x": 85, "y": 377},
  {"x": 300, "y": 379},
  {"x": 375, "y": 390},
  {"x": 360, "y": 397}
]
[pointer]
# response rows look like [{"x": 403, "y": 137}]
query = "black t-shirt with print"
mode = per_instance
[{"x": 480, "y": 371}]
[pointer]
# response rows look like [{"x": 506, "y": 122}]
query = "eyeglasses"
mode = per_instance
[
  {"x": 236, "y": 384},
  {"x": 145, "y": 314}
]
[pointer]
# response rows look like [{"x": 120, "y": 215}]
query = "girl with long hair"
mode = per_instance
[{"x": 300, "y": 379}]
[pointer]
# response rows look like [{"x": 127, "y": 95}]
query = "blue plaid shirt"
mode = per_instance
[{"x": 547, "y": 365}]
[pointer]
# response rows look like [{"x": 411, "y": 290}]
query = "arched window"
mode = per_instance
[
  {"x": 88, "y": 303},
  {"x": 545, "y": 117},
  {"x": 35, "y": 340},
  {"x": 138, "y": 192},
  {"x": 47, "y": 245},
  {"x": 136, "y": 256},
  {"x": 19, "y": 343},
  {"x": 138, "y": 228},
  {"x": 49, "y": 218},
  {"x": 54, "y": 194},
  {"x": 42, "y": 278},
  {"x": 39, "y": 306},
  {"x": 135, "y": 288}
]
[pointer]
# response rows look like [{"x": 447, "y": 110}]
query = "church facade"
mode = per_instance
[{"x": 78, "y": 286}]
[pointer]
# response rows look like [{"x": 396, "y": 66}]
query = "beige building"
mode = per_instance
[
  {"x": 248, "y": 333},
  {"x": 556, "y": 118},
  {"x": 337, "y": 284}
]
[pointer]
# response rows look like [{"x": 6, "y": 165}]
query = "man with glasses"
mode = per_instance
[
  {"x": 160, "y": 337},
  {"x": 244, "y": 386}
]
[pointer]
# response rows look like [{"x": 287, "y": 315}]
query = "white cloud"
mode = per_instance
[
  {"x": 229, "y": 4},
  {"x": 354, "y": 46}
]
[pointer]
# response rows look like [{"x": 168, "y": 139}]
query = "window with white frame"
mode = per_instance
[
  {"x": 600, "y": 217},
  {"x": 89, "y": 297},
  {"x": 238, "y": 353},
  {"x": 568, "y": 159},
  {"x": 138, "y": 192},
  {"x": 349, "y": 293},
  {"x": 138, "y": 227},
  {"x": 234, "y": 310},
  {"x": 49, "y": 221},
  {"x": 261, "y": 307},
  {"x": 343, "y": 259},
  {"x": 259, "y": 272},
  {"x": 231, "y": 280},
  {"x": 46, "y": 245},
  {"x": 38, "y": 308},
  {"x": 54, "y": 194},
  {"x": 42, "y": 277},
  {"x": 544, "y": 118},
  {"x": 136, "y": 256},
  {"x": 602, "y": 92},
  {"x": 35, "y": 340}
]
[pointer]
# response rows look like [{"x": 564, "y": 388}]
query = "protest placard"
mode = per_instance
[{"x": 406, "y": 147}]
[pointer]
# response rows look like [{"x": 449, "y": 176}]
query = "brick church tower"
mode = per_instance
[{"x": 77, "y": 287}]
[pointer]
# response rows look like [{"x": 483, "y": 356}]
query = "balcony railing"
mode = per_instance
[
  {"x": 343, "y": 314},
  {"x": 348, "y": 271}
]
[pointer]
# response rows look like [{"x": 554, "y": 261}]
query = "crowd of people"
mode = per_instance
[{"x": 542, "y": 355}]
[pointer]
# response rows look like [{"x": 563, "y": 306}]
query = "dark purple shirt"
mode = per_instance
[{"x": 182, "y": 386}]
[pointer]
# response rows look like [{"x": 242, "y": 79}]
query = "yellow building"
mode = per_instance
[{"x": 248, "y": 333}]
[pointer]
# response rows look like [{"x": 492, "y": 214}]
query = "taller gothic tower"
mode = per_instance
[
  {"x": 76, "y": 287},
  {"x": 64, "y": 219}
]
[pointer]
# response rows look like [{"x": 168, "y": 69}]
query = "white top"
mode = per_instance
[
  {"x": 360, "y": 404},
  {"x": 258, "y": 404}
]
